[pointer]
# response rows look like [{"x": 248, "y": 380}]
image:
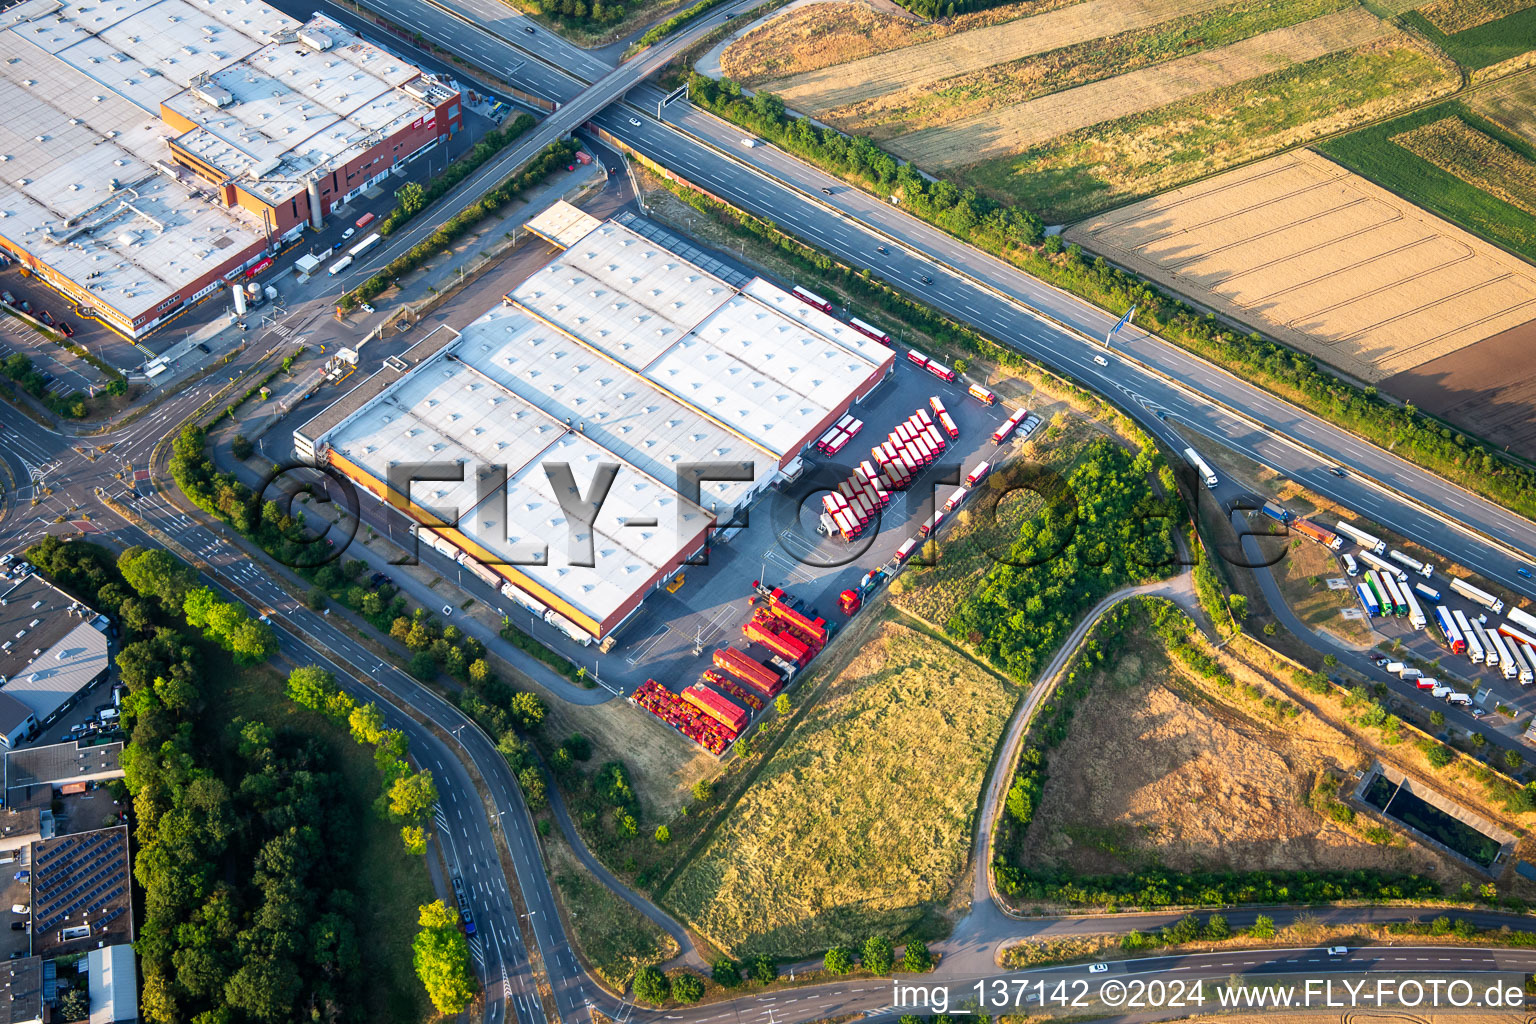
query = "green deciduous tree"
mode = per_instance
[
  {"x": 441, "y": 956},
  {"x": 687, "y": 987},
  {"x": 652, "y": 986},
  {"x": 878, "y": 955},
  {"x": 838, "y": 960},
  {"x": 916, "y": 957}
]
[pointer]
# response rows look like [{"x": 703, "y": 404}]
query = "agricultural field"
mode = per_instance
[
  {"x": 1183, "y": 46},
  {"x": 1325, "y": 261},
  {"x": 1511, "y": 105},
  {"x": 1015, "y": 107},
  {"x": 1162, "y": 769},
  {"x": 1489, "y": 388},
  {"x": 1428, "y": 165},
  {"x": 1071, "y": 109},
  {"x": 810, "y": 36},
  {"x": 1478, "y": 159},
  {"x": 1111, "y": 162},
  {"x": 1478, "y": 34},
  {"x": 861, "y": 821}
]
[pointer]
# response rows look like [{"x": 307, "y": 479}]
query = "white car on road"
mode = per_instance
[
  {"x": 1101, "y": 360},
  {"x": 635, "y": 121},
  {"x": 1097, "y": 968}
]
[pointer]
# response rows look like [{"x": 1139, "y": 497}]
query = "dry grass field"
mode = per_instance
[
  {"x": 809, "y": 37},
  {"x": 1323, "y": 260},
  {"x": 1314, "y": 603},
  {"x": 1157, "y": 771},
  {"x": 915, "y": 67},
  {"x": 861, "y": 822},
  {"x": 1091, "y": 56},
  {"x": 1019, "y": 127},
  {"x": 1478, "y": 159},
  {"x": 1511, "y": 105}
]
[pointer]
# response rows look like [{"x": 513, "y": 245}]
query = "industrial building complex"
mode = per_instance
[
  {"x": 156, "y": 149},
  {"x": 51, "y": 648},
  {"x": 618, "y": 353}
]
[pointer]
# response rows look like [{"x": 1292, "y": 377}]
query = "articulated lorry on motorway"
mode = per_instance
[
  {"x": 1474, "y": 649},
  {"x": 1207, "y": 474},
  {"x": 1422, "y": 568},
  {"x": 1453, "y": 636},
  {"x": 1327, "y": 538},
  {"x": 1375, "y": 545},
  {"x": 1477, "y": 595},
  {"x": 1397, "y": 572}
]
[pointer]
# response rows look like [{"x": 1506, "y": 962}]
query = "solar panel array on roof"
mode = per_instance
[{"x": 78, "y": 874}]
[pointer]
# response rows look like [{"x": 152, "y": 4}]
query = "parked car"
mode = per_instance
[
  {"x": 348, "y": 233},
  {"x": 65, "y": 329}
]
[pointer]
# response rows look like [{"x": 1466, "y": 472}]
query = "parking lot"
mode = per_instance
[{"x": 71, "y": 370}]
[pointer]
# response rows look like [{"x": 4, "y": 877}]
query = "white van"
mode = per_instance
[
  {"x": 1351, "y": 566},
  {"x": 340, "y": 265},
  {"x": 1462, "y": 699},
  {"x": 1441, "y": 691},
  {"x": 1411, "y": 673},
  {"x": 108, "y": 714},
  {"x": 750, "y": 142}
]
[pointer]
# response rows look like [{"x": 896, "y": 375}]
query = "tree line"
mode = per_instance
[
  {"x": 1161, "y": 888},
  {"x": 1016, "y": 235},
  {"x": 240, "y": 851}
]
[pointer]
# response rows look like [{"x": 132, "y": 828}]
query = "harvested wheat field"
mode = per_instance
[
  {"x": 919, "y": 65},
  {"x": 808, "y": 36},
  {"x": 1323, "y": 260},
  {"x": 1511, "y": 105},
  {"x": 861, "y": 822},
  {"x": 1489, "y": 388},
  {"x": 1156, "y": 771},
  {"x": 1020, "y": 126}
]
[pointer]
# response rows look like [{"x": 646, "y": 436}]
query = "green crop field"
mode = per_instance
[
  {"x": 1110, "y": 164},
  {"x": 1485, "y": 44},
  {"x": 1372, "y": 153},
  {"x": 860, "y": 822}
]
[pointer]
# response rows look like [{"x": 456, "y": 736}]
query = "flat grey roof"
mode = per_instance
[
  {"x": 34, "y": 615},
  {"x": 23, "y": 999},
  {"x": 57, "y": 764}
]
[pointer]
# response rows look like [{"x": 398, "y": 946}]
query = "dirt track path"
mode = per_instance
[
  {"x": 986, "y": 911},
  {"x": 1019, "y": 126},
  {"x": 825, "y": 89}
]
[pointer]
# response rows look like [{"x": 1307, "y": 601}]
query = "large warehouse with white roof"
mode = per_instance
[
  {"x": 617, "y": 352},
  {"x": 155, "y": 148}
]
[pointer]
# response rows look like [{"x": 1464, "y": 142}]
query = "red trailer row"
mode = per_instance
[
  {"x": 721, "y": 681},
  {"x": 1001, "y": 433},
  {"x": 944, "y": 418},
  {"x": 838, "y": 435},
  {"x": 870, "y": 331},
  {"x": 763, "y": 628},
  {"x": 749, "y": 670},
  {"x": 933, "y": 366},
  {"x": 683, "y": 716},
  {"x": 811, "y": 299}
]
